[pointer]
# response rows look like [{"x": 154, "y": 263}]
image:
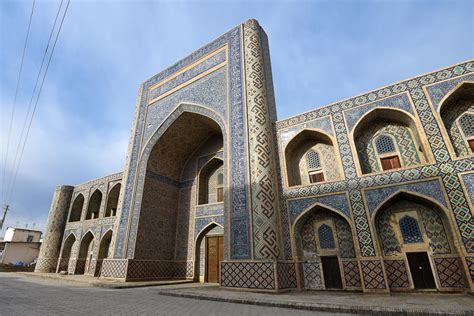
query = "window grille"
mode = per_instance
[
  {"x": 220, "y": 179},
  {"x": 410, "y": 230},
  {"x": 467, "y": 124},
  {"x": 384, "y": 144},
  {"x": 326, "y": 237},
  {"x": 313, "y": 160}
]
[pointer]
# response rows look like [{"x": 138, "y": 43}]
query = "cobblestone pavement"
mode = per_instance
[{"x": 28, "y": 296}]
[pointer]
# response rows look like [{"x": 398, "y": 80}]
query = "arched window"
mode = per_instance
[
  {"x": 312, "y": 159},
  {"x": 384, "y": 144},
  {"x": 410, "y": 230},
  {"x": 466, "y": 122},
  {"x": 389, "y": 158},
  {"x": 313, "y": 163},
  {"x": 326, "y": 237},
  {"x": 220, "y": 189}
]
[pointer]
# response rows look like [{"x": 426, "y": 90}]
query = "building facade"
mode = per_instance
[
  {"x": 374, "y": 193},
  {"x": 20, "y": 246}
]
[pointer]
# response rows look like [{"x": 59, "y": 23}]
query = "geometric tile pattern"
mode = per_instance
[
  {"x": 397, "y": 275},
  {"x": 435, "y": 230},
  {"x": 351, "y": 274},
  {"x": 470, "y": 265},
  {"x": 450, "y": 272},
  {"x": 405, "y": 143},
  {"x": 261, "y": 149},
  {"x": 450, "y": 114},
  {"x": 286, "y": 273},
  {"x": 252, "y": 275},
  {"x": 388, "y": 239},
  {"x": 432, "y": 189},
  {"x": 151, "y": 269},
  {"x": 114, "y": 268},
  {"x": 373, "y": 274},
  {"x": 312, "y": 275}
]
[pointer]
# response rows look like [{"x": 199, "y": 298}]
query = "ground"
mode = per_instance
[{"x": 28, "y": 296}]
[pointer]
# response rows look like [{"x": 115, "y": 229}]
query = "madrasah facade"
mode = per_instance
[{"x": 373, "y": 193}]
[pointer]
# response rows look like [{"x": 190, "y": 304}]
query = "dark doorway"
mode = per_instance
[
  {"x": 420, "y": 269},
  {"x": 332, "y": 273},
  {"x": 214, "y": 256}
]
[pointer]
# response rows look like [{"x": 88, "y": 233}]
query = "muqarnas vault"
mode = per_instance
[{"x": 373, "y": 193}]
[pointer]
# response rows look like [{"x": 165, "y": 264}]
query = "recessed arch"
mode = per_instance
[
  {"x": 324, "y": 243},
  {"x": 458, "y": 103},
  {"x": 66, "y": 251},
  {"x": 209, "y": 188},
  {"x": 165, "y": 158},
  {"x": 112, "y": 201},
  {"x": 200, "y": 258},
  {"x": 410, "y": 227},
  {"x": 93, "y": 207},
  {"x": 76, "y": 209},
  {"x": 85, "y": 255},
  {"x": 410, "y": 148},
  {"x": 299, "y": 170}
]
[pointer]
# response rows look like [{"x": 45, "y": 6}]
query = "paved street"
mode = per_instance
[{"x": 23, "y": 296}]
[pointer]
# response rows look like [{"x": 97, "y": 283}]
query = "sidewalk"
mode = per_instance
[
  {"x": 340, "y": 302},
  {"x": 96, "y": 282}
]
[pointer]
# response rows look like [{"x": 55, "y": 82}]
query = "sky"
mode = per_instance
[{"x": 321, "y": 52}]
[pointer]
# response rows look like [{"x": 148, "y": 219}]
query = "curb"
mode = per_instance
[{"x": 372, "y": 310}]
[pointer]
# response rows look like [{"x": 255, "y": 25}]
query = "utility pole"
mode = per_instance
[{"x": 5, "y": 211}]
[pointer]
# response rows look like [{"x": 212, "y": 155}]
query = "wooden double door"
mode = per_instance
[{"x": 214, "y": 256}]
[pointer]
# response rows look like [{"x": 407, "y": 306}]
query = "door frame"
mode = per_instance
[
  {"x": 432, "y": 266},
  {"x": 339, "y": 262},
  {"x": 206, "y": 254}
]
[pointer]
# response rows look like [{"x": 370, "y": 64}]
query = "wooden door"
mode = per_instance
[
  {"x": 331, "y": 272},
  {"x": 214, "y": 256},
  {"x": 471, "y": 144},
  {"x": 420, "y": 269},
  {"x": 389, "y": 163}
]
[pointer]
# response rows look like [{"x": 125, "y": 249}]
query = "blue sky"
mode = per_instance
[{"x": 322, "y": 52}]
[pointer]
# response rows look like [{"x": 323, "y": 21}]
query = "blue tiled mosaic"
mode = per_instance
[
  {"x": 400, "y": 101},
  {"x": 431, "y": 189},
  {"x": 187, "y": 75},
  {"x": 202, "y": 222},
  {"x": 439, "y": 90},
  {"x": 210, "y": 209},
  {"x": 468, "y": 180},
  {"x": 338, "y": 202},
  {"x": 323, "y": 124}
]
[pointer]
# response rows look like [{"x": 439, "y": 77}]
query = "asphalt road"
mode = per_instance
[{"x": 23, "y": 296}]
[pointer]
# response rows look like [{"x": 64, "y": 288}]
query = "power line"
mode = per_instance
[
  {"x": 14, "y": 100},
  {"x": 33, "y": 93},
  {"x": 36, "y": 102}
]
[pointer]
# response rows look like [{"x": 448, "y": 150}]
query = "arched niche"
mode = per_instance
[
  {"x": 170, "y": 183},
  {"x": 325, "y": 244},
  {"x": 112, "y": 201},
  {"x": 93, "y": 207},
  {"x": 66, "y": 252},
  {"x": 417, "y": 244},
  {"x": 200, "y": 259},
  {"x": 311, "y": 157},
  {"x": 457, "y": 114},
  {"x": 388, "y": 139},
  {"x": 211, "y": 182},
  {"x": 84, "y": 259},
  {"x": 76, "y": 209}
]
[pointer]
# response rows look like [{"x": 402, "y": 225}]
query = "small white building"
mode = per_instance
[{"x": 20, "y": 246}]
